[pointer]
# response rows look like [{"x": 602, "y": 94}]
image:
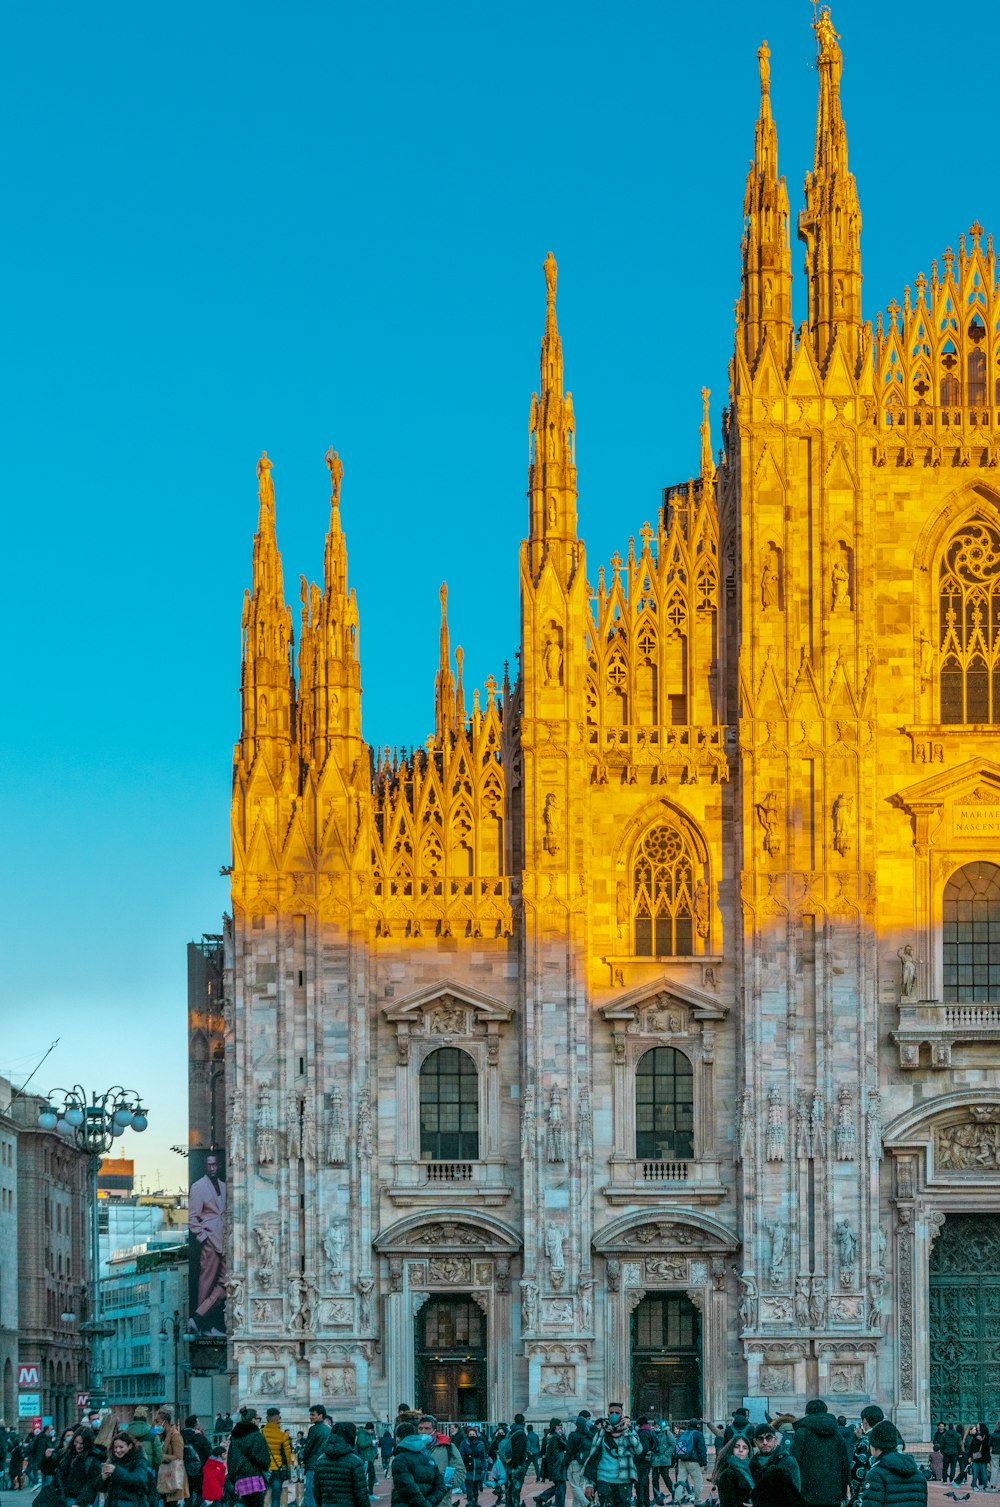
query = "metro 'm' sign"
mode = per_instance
[{"x": 28, "y": 1378}]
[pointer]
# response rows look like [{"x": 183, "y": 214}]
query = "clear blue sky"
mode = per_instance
[{"x": 238, "y": 226}]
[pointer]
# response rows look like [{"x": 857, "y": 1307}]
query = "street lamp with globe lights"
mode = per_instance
[{"x": 94, "y": 1123}]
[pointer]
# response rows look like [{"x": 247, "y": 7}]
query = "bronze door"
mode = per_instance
[
  {"x": 964, "y": 1312},
  {"x": 451, "y": 1360},
  {"x": 666, "y": 1357}
]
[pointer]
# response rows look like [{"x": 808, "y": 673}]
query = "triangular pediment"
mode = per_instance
[
  {"x": 444, "y": 995},
  {"x": 664, "y": 992},
  {"x": 977, "y": 780}
]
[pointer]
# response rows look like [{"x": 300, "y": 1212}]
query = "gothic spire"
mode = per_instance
[
  {"x": 268, "y": 687},
  {"x": 552, "y": 464},
  {"x": 766, "y": 299},
  {"x": 707, "y": 459},
  {"x": 329, "y": 665},
  {"x": 444, "y": 681},
  {"x": 830, "y": 224}
]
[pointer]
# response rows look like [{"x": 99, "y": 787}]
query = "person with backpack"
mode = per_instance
[
  {"x": 280, "y": 1446},
  {"x": 196, "y": 1451},
  {"x": 513, "y": 1456},
  {"x": 446, "y": 1455},
  {"x": 740, "y": 1428},
  {"x": 385, "y": 1450},
  {"x": 610, "y": 1467},
  {"x": 861, "y": 1455},
  {"x": 895, "y": 1479},
  {"x": 661, "y": 1461},
  {"x": 554, "y": 1465},
  {"x": 340, "y": 1478},
  {"x": 577, "y": 1450},
  {"x": 692, "y": 1459}
]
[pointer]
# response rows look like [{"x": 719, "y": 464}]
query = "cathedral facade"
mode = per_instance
[{"x": 638, "y": 1035}]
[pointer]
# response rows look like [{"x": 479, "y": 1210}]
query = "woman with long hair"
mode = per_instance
[
  {"x": 731, "y": 1475},
  {"x": 79, "y": 1469},
  {"x": 124, "y": 1475}
]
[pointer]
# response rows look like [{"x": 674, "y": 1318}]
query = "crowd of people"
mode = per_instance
[{"x": 816, "y": 1460}]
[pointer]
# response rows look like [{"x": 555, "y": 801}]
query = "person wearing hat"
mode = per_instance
[
  {"x": 148, "y": 1442},
  {"x": 895, "y": 1480},
  {"x": 741, "y": 1427},
  {"x": 861, "y": 1455},
  {"x": 822, "y": 1456},
  {"x": 577, "y": 1450},
  {"x": 776, "y": 1478},
  {"x": 280, "y": 1446}
]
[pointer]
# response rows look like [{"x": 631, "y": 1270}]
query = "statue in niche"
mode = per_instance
[
  {"x": 880, "y": 1245},
  {"x": 585, "y": 1294},
  {"x": 908, "y": 967},
  {"x": 556, "y": 1147},
  {"x": 266, "y": 1144},
  {"x": 841, "y": 582},
  {"x": 926, "y": 661},
  {"x": 843, "y": 824},
  {"x": 333, "y": 1248},
  {"x": 769, "y": 579},
  {"x": 778, "y": 1236},
  {"x": 701, "y": 907},
  {"x": 366, "y": 1286},
  {"x": 817, "y": 1302},
  {"x": 529, "y": 1306},
  {"x": 265, "y": 1253},
  {"x": 748, "y": 1300},
  {"x": 235, "y": 1309},
  {"x": 365, "y": 1143},
  {"x": 613, "y": 1271},
  {"x": 847, "y": 1244},
  {"x": 302, "y": 1295},
  {"x": 554, "y": 1238},
  {"x": 552, "y": 824},
  {"x": 769, "y": 814},
  {"x": 552, "y": 659},
  {"x": 801, "y": 1301},
  {"x": 528, "y": 1125}
]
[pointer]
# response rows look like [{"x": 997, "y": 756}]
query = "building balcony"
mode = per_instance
[
  {"x": 637, "y": 1179},
  {"x": 420, "y": 1182},
  {"x": 941, "y": 1027}
]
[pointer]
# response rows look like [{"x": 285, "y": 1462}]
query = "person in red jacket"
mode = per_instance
[{"x": 213, "y": 1480}]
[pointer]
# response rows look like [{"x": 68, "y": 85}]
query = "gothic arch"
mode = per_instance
[
  {"x": 911, "y": 1129},
  {"x": 962, "y": 504},
  {"x": 648, "y": 815},
  {"x": 629, "y": 1232}
]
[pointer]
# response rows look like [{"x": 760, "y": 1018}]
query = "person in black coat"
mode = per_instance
[
  {"x": 732, "y": 1475},
  {"x": 554, "y": 1465},
  {"x": 340, "y": 1478},
  {"x": 776, "y": 1479},
  {"x": 895, "y": 1480},
  {"x": 822, "y": 1456},
  {"x": 79, "y": 1469},
  {"x": 477, "y": 1463},
  {"x": 950, "y": 1445},
  {"x": 249, "y": 1455},
  {"x": 416, "y": 1479},
  {"x": 125, "y": 1474}
]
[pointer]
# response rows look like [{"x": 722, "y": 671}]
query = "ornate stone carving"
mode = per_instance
[
  {"x": 777, "y": 1311},
  {"x": 745, "y": 1136},
  {"x": 908, "y": 971},
  {"x": 266, "y": 1139},
  {"x": 801, "y": 1301},
  {"x": 747, "y": 1301},
  {"x": 336, "y": 1133},
  {"x": 817, "y": 1302},
  {"x": 769, "y": 816},
  {"x": 267, "y": 1381},
  {"x": 559, "y": 1311},
  {"x": 876, "y": 1291},
  {"x": 666, "y": 1268},
  {"x": 873, "y": 1125},
  {"x": 449, "y": 1019},
  {"x": 847, "y": 1251},
  {"x": 557, "y": 1381},
  {"x": 776, "y": 1380},
  {"x": 529, "y": 1306},
  {"x": 775, "y": 1151},
  {"x": 445, "y": 1233},
  {"x": 528, "y": 1127},
  {"x": 341, "y": 1312},
  {"x": 450, "y": 1269},
  {"x": 303, "y": 1304},
  {"x": 554, "y": 1238},
  {"x": 847, "y": 1377},
  {"x": 235, "y": 1304},
  {"x": 555, "y": 1140},
  {"x": 585, "y": 1125},
  {"x": 366, "y": 1147},
  {"x": 970, "y": 1146},
  {"x": 366, "y": 1288},
  {"x": 778, "y": 1236},
  {"x": 501, "y": 1280},
  {"x": 340, "y": 1381},
  {"x": 843, "y": 824},
  {"x": 817, "y": 1126},
  {"x": 585, "y": 1303},
  {"x": 333, "y": 1249},
  {"x": 846, "y": 1132},
  {"x": 613, "y": 1273}
]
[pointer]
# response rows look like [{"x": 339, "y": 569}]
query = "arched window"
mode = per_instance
[
  {"x": 972, "y": 934},
  {"x": 970, "y": 625},
  {"x": 664, "y": 1106},
  {"x": 662, "y": 894},
  {"x": 449, "y": 1107}
]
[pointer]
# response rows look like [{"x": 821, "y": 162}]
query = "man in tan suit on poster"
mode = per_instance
[{"x": 207, "y": 1224}]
